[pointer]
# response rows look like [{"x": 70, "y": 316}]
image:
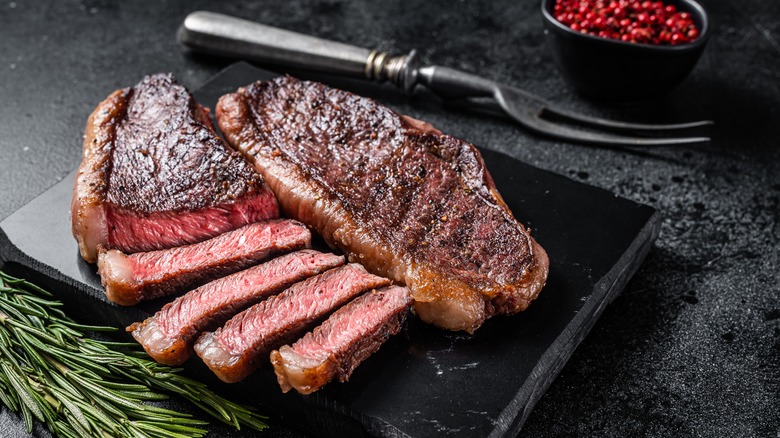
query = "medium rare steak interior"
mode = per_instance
[
  {"x": 130, "y": 279},
  {"x": 237, "y": 349},
  {"x": 154, "y": 174},
  {"x": 169, "y": 335},
  {"x": 348, "y": 337},
  {"x": 395, "y": 194}
]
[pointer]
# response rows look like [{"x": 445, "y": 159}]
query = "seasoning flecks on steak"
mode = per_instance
[
  {"x": 169, "y": 335},
  {"x": 130, "y": 279},
  {"x": 347, "y": 338},
  {"x": 154, "y": 174},
  {"x": 397, "y": 195},
  {"x": 237, "y": 349}
]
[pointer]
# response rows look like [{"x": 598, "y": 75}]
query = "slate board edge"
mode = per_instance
[
  {"x": 552, "y": 362},
  {"x": 21, "y": 264}
]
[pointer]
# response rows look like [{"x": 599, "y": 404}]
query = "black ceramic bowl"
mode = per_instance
[{"x": 612, "y": 70}]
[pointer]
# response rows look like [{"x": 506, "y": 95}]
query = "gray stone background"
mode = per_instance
[{"x": 691, "y": 347}]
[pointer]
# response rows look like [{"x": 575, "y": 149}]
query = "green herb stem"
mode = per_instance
[{"x": 80, "y": 386}]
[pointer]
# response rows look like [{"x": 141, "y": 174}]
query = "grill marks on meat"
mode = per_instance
[
  {"x": 154, "y": 174},
  {"x": 395, "y": 194},
  {"x": 235, "y": 350},
  {"x": 169, "y": 335},
  {"x": 130, "y": 279},
  {"x": 347, "y": 338}
]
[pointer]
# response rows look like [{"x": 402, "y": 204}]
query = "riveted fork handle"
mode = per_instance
[{"x": 234, "y": 37}]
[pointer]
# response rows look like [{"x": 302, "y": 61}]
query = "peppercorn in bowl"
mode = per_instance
[{"x": 625, "y": 50}]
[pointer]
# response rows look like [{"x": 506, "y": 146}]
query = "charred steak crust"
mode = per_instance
[
  {"x": 348, "y": 337},
  {"x": 152, "y": 156},
  {"x": 169, "y": 335},
  {"x": 130, "y": 279},
  {"x": 165, "y": 125},
  {"x": 394, "y": 193},
  {"x": 235, "y": 350},
  {"x": 87, "y": 212}
]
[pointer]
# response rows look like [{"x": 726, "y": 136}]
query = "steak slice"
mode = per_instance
[
  {"x": 235, "y": 350},
  {"x": 154, "y": 174},
  {"x": 395, "y": 194},
  {"x": 342, "y": 342},
  {"x": 169, "y": 335},
  {"x": 130, "y": 279}
]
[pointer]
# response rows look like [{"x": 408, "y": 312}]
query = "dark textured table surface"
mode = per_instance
[{"x": 691, "y": 347}]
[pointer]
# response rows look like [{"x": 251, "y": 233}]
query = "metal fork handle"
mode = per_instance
[
  {"x": 449, "y": 83},
  {"x": 224, "y": 35}
]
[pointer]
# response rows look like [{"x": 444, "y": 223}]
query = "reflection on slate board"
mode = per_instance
[{"x": 424, "y": 381}]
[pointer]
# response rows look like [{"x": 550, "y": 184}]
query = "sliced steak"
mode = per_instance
[
  {"x": 154, "y": 174},
  {"x": 169, "y": 335},
  {"x": 395, "y": 194},
  {"x": 237, "y": 349},
  {"x": 342, "y": 342},
  {"x": 130, "y": 279}
]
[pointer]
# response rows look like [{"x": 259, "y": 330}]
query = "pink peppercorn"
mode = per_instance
[{"x": 632, "y": 21}]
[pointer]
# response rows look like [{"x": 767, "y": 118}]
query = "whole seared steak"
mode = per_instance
[
  {"x": 154, "y": 174},
  {"x": 395, "y": 194}
]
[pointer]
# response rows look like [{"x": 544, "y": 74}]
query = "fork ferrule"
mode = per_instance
[{"x": 398, "y": 70}]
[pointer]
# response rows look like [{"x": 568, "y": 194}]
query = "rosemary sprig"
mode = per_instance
[{"x": 80, "y": 386}]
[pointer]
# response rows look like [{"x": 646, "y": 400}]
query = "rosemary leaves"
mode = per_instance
[{"x": 80, "y": 386}]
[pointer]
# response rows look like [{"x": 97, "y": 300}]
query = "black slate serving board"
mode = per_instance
[{"x": 425, "y": 381}]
